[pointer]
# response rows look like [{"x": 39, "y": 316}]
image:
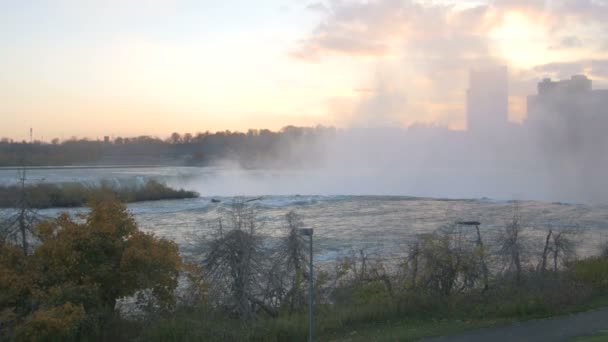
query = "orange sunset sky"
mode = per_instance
[{"x": 93, "y": 68}]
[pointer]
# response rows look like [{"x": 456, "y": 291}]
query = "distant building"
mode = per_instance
[
  {"x": 106, "y": 139},
  {"x": 488, "y": 100},
  {"x": 566, "y": 99}
]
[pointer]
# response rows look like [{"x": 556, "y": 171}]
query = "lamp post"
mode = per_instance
[{"x": 311, "y": 322}]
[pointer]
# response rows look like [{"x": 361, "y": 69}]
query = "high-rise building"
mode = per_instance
[
  {"x": 488, "y": 100},
  {"x": 574, "y": 98}
]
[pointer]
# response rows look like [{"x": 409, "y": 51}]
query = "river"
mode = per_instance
[{"x": 343, "y": 223}]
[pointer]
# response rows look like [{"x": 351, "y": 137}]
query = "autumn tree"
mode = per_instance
[
  {"x": 448, "y": 262},
  {"x": 361, "y": 279},
  {"x": 15, "y": 287},
  {"x": 80, "y": 269}
]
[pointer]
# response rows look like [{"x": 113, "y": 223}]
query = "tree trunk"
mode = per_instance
[
  {"x": 484, "y": 266},
  {"x": 517, "y": 263},
  {"x": 414, "y": 260},
  {"x": 543, "y": 265},
  {"x": 23, "y": 230},
  {"x": 557, "y": 245}
]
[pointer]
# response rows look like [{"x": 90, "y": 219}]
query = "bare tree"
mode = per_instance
[
  {"x": 482, "y": 259},
  {"x": 358, "y": 269},
  {"x": 292, "y": 254},
  {"x": 19, "y": 228},
  {"x": 511, "y": 246},
  {"x": 604, "y": 250},
  {"x": 560, "y": 245},
  {"x": 542, "y": 266},
  {"x": 235, "y": 265},
  {"x": 448, "y": 261},
  {"x": 564, "y": 247},
  {"x": 413, "y": 258},
  {"x": 481, "y": 250}
]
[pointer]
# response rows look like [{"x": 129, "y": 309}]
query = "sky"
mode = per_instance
[{"x": 91, "y": 68}]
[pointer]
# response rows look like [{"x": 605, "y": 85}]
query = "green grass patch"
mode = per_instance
[
  {"x": 599, "y": 337},
  {"x": 412, "y": 330},
  {"x": 405, "y": 321}
]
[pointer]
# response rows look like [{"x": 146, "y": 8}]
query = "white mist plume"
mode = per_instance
[{"x": 562, "y": 160}]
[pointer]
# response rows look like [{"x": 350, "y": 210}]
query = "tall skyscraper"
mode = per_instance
[
  {"x": 488, "y": 100},
  {"x": 574, "y": 99}
]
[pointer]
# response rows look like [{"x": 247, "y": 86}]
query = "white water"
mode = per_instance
[{"x": 343, "y": 223}]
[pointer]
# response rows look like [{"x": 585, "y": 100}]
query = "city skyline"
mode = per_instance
[
  {"x": 557, "y": 153},
  {"x": 486, "y": 109},
  {"x": 91, "y": 69}
]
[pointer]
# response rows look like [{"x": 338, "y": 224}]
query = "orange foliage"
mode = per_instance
[
  {"x": 80, "y": 268},
  {"x": 52, "y": 324}
]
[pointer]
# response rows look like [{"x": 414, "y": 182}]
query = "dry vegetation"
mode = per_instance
[
  {"x": 67, "y": 195},
  {"x": 241, "y": 285}
]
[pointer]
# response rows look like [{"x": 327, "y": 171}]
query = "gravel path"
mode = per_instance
[{"x": 551, "y": 329}]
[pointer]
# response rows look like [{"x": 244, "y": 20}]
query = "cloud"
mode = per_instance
[
  {"x": 430, "y": 46},
  {"x": 561, "y": 69},
  {"x": 317, "y": 7},
  {"x": 386, "y": 27},
  {"x": 362, "y": 29},
  {"x": 596, "y": 68},
  {"x": 568, "y": 42},
  {"x": 589, "y": 9},
  {"x": 382, "y": 27},
  {"x": 599, "y": 68},
  {"x": 341, "y": 43},
  {"x": 536, "y": 5},
  {"x": 424, "y": 50},
  {"x": 571, "y": 42}
]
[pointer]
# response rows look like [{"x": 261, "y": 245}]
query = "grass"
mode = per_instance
[
  {"x": 601, "y": 336},
  {"x": 77, "y": 194},
  {"x": 365, "y": 322},
  {"x": 411, "y": 330},
  {"x": 593, "y": 303}
]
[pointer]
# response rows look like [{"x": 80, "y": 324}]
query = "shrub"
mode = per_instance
[
  {"x": 53, "y": 324},
  {"x": 80, "y": 269},
  {"x": 593, "y": 272},
  {"x": 68, "y": 195}
]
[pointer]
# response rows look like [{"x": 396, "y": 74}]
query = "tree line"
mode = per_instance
[{"x": 251, "y": 149}]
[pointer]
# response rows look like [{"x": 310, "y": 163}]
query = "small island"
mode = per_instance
[{"x": 67, "y": 195}]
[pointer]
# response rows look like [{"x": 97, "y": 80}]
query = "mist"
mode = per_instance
[{"x": 557, "y": 155}]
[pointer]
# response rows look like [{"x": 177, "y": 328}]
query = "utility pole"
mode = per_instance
[
  {"x": 22, "y": 212},
  {"x": 311, "y": 291}
]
